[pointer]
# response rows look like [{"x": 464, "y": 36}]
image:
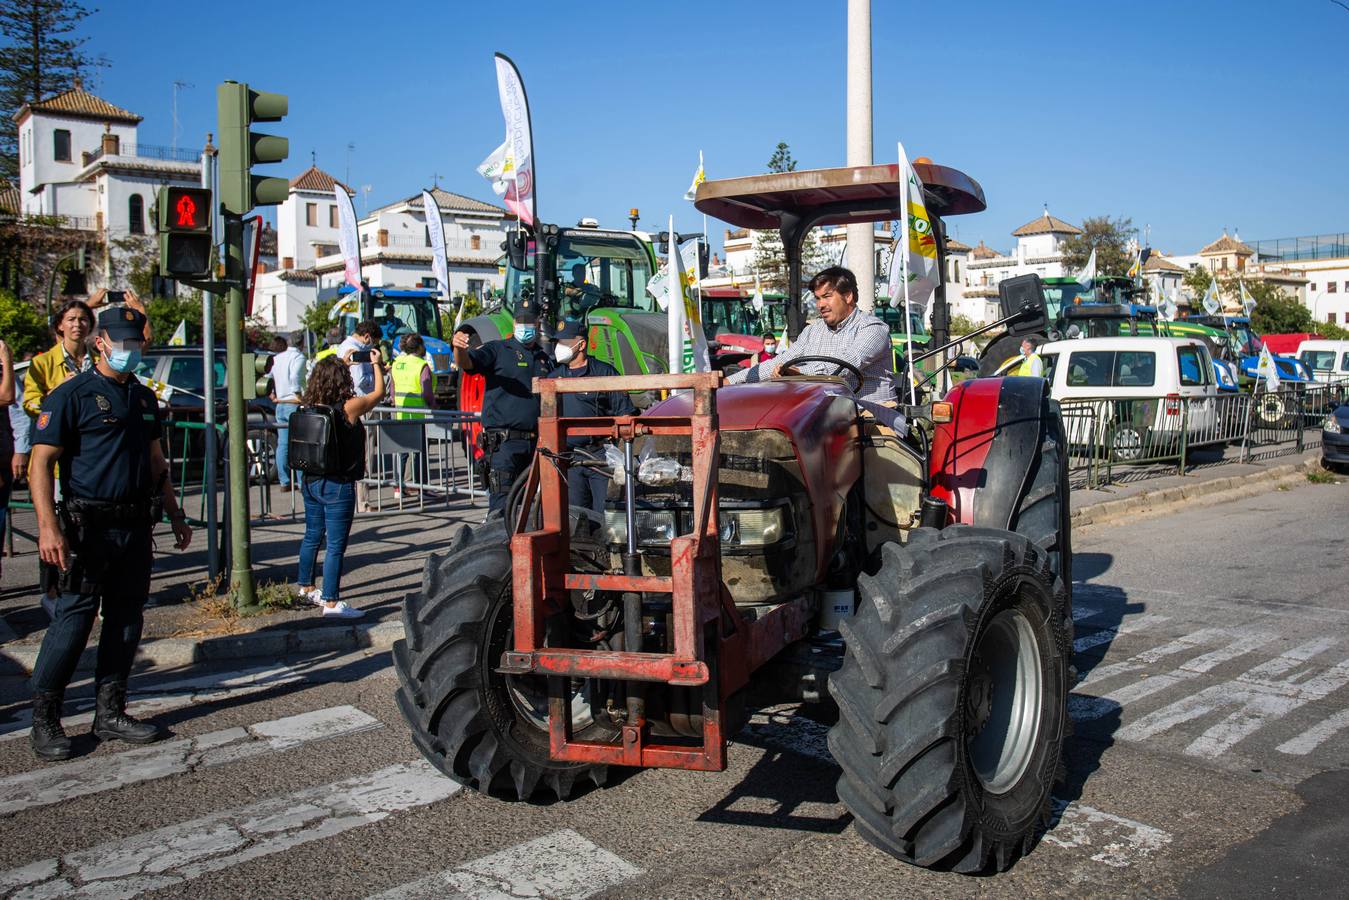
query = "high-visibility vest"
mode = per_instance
[
  {"x": 1029, "y": 365},
  {"x": 330, "y": 350},
  {"x": 407, "y": 384}
]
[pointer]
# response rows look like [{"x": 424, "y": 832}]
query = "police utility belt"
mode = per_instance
[
  {"x": 109, "y": 514},
  {"x": 491, "y": 439}
]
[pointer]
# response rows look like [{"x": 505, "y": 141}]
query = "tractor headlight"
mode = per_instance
[
  {"x": 653, "y": 526},
  {"x": 752, "y": 527},
  {"x": 1331, "y": 425}
]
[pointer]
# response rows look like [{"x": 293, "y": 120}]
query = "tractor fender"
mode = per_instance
[{"x": 982, "y": 459}]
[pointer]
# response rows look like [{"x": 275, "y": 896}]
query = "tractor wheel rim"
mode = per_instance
[
  {"x": 529, "y": 696},
  {"x": 1003, "y": 744}
]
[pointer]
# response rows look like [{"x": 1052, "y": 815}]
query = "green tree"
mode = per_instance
[
  {"x": 40, "y": 55},
  {"x": 1108, "y": 237},
  {"x": 770, "y": 257},
  {"x": 1276, "y": 312},
  {"x": 1196, "y": 282},
  {"x": 318, "y": 319},
  {"x": 961, "y": 324},
  {"x": 21, "y": 326}
]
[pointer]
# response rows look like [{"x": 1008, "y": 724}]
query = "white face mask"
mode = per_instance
[{"x": 563, "y": 353}]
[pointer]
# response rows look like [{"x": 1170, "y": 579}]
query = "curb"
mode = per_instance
[
  {"x": 166, "y": 652},
  {"x": 1213, "y": 490}
]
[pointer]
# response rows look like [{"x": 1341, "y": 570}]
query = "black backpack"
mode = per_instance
[{"x": 313, "y": 441}]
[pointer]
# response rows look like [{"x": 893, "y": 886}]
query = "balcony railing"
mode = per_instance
[
  {"x": 1319, "y": 246},
  {"x": 148, "y": 151},
  {"x": 79, "y": 223}
]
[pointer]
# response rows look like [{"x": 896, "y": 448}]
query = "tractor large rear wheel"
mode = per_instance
[
  {"x": 953, "y": 699},
  {"x": 486, "y": 730}
]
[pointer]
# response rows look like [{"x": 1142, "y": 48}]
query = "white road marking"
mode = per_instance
[
  {"x": 1317, "y": 735},
  {"x": 170, "y": 856},
  {"x": 1106, "y": 635},
  {"x": 1253, "y": 699},
  {"x": 562, "y": 865},
  {"x": 1122, "y": 842},
  {"x": 95, "y": 774},
  {"x": 166, "y": 695}
]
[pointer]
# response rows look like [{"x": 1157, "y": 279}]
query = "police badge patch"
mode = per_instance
[
  {"x": 103, "y": 404},
  {"x": 43, "y": 419}
]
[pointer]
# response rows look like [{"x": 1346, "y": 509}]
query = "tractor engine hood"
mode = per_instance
[
  {"x": 820, "y": 420},
  {"x": 649, "y": 330}
]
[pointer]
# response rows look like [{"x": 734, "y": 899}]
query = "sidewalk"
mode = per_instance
[{"x": 384, "y": 563}]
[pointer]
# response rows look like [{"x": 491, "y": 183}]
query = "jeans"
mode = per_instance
[
  {"x": 283, "y": 412},
  {"x": 587, "y": 487},
  {"x": 116, "y": 564},
  {"x": 329, "y": 507}
]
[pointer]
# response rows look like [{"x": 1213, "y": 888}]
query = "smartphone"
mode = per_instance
[
  {"x": 362, "y": 356},
  {"x": 115, "y": 297}
]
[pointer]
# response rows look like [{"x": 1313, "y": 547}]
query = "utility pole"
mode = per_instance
[
  {"x": 861, "y": 253},
  {"x": 211, "y": 475}
]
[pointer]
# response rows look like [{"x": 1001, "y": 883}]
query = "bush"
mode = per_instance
[{"x": 21, "y": 326}]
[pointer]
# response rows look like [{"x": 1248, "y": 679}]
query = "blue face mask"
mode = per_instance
[
  {"x": 526, "y": 334},
  {"x": 123, "y": 361}
]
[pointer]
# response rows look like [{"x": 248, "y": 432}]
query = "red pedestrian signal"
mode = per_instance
[
  {"x": 184, "y": 232},
  {"x": 187, "y": 212}
]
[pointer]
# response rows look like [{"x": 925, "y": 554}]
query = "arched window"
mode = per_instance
[{"x": 135, "y": 211}]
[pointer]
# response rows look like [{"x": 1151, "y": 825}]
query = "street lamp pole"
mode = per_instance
[{"x": 861, "y": 253}]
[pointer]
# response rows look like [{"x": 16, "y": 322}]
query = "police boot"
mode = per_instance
[
  {"x": 111, "y": 721},
  {"x": 48, "y": 737}
]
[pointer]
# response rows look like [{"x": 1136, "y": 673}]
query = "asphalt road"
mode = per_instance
[{"x": 1209, "y": 761}]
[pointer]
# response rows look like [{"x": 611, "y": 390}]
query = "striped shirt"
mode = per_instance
[{"x": 861, "y": 339}]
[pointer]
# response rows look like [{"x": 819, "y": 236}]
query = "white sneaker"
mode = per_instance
[
  {"x": 313, "y": 595},
  {"x": 398, "y": 493},
  {"x": 341, "y": 610}
]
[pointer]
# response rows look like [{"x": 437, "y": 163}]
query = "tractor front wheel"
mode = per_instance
[
  {"x": 953, "y": 699},
  {"x": 484, "y": 729}
]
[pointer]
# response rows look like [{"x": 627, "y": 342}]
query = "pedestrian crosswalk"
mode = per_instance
[{"x": 1151, "y": 677}]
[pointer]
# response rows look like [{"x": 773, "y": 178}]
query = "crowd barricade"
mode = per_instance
[{"x": 1111, "y": 437}]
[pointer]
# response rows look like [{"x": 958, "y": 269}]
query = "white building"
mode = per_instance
[
  {"x": 81, "y": 167},
  {"x": 1321, "y": 261},
  {"x": 1038, "y": 251},
  {"x": 395, "y": 248}
]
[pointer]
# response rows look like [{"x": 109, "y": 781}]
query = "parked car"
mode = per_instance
[
  {"x": 1328, "y": 361},
  {"x": 1145, "y": 385},
  {"x": 1335, "y": 439}
]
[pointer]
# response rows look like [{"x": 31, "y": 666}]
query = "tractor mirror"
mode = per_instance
[
  {"x": 965, "y": 364},
  {"x": 516, "y": 251},
  {"x": 1024, "y": 297}
]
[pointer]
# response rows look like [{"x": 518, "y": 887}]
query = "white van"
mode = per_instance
[
  {"x": 1328, "y": 361},
  {"x": 1138, "y": 387}
]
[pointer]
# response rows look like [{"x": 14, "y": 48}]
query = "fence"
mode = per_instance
[{"x": 1118, "y": 439}]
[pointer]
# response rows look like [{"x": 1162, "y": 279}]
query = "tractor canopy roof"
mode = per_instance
[{"x": 842, "y": 196}]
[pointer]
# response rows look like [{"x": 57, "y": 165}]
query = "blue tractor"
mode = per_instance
[{"x": 402, "y": 311}]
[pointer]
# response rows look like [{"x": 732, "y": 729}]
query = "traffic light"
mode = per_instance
[
  {"x": 240, "y": 149},
  {"x": 257, "y": 375},
  {"x": 184, "y": 226}
]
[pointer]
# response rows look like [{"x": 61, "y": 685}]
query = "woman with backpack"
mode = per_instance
[{"x": 330, "y": 500}]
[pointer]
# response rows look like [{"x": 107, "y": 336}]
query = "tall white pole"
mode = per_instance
[{"x": 861, "y": 252}]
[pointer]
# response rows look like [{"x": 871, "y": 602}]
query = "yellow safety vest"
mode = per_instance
[
  {"x": 1025, "y": 367},
  {"x": 407, "y": 384},
  {"x": 330, "y": 350}
]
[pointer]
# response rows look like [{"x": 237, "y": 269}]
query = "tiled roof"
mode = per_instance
[
  {"x": 10, "y": 201},
  {"x": 315, "y": 179},
  {"x": 984, "y": 252},
  {"x": 1046, "y": 224},
  {"x": 1158, "y": 263},
  {"x": 81, "y": 104},
  {"x": 1226, "y": 244},
  {"x": 454, "y": 202},
  {"x": 955, "y": 246},
  {"x": 736, "y": 234}
]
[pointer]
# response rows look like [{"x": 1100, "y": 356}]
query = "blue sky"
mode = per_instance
[{"x": 1188, "y": 116}]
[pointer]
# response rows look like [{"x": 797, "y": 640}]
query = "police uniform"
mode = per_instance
[
  {"x": 105, "y": 430},
  {"x": 510, "y": 410},
  {"x": 587, "y": 485}
]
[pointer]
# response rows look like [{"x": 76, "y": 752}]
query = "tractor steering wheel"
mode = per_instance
[{"x": 834, "y": 360}]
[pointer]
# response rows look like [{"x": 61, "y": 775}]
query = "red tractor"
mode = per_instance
[{"x": 766, "y": 540}]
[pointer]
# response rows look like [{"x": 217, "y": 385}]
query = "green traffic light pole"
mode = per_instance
[{"x": 236, "y": 418}]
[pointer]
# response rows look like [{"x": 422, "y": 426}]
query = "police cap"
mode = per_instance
[
  {"x": 122, "y": 323},
  {"x": 570, "y": 328}
]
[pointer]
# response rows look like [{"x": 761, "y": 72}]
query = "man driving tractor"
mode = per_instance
[{"x": 842, "y": 331}]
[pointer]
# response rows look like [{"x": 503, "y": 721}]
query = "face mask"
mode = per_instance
[
  {"x": 770, "y": 348},
  {"x": 526, "y": 334},
  {"x": 122, "y": 361},
  {"x": 563, "y": 353}
]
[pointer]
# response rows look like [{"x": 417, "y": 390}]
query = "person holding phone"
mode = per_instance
[{"x": 359, "y": 352}]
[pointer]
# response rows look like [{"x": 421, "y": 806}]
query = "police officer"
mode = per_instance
[
  {"x": 104, "y": 427},
  {"x": 586, "y": 485},
  {"x": 510, "y": 408}
]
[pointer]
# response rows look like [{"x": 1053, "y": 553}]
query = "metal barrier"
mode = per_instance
[{"x": 1109, "y": 434}]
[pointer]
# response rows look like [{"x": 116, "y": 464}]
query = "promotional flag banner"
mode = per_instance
[
  {"x": 161, "y": 390},
  {"x": 698, "y": 178},
  {"x": 495, "y": 168},
  {"x": 1088, "y": 273},
  {"x": 1247, "y": 301},
  {"x": 517, "y": 169},
  {"x": 179, "y": 338},
  {"x": 698, "y": 355},
  {"x": 1265, "y": 367},
  {"x": 658, "y": 286},
  {"x": 349, "y": 305},
  {"x": 757, "y": 300},
  {"x": 435, "y": 230},
  {"x": 347, "y": 241},
  {"x": 667, "y": 285},
  {"x": 917, "y": 255},
  {"x": 1212, "y": 305}
]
